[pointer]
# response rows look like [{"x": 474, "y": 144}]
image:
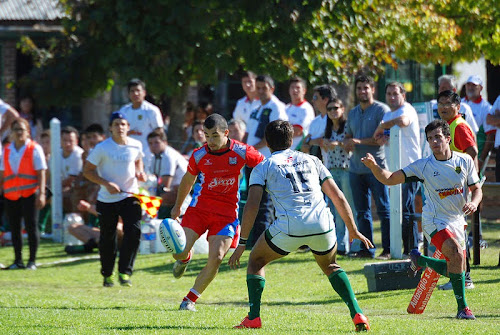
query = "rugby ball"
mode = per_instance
[{"x": 172, "y": 236}]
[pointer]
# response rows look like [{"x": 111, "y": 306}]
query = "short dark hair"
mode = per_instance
[
  {"x": 217, "y": 121},
  {"x": 135, "y": 82},
  {"x": 436, "y": 124},
  {"x": 326, "y": 91},
  {"x": 69, "y": 130},
  {"x": 158, "y": 132},
  {"x": 265, "y": 79},
  {"x": 363, "y": 78},
  {"x": 279, "y": 135},
  {"x": 396, "y": 84},
  {"x": 45, "y": 133},
  {"x": 249, "y": 74},
  {"x": 95, "y": 128},
  {"x": 454, "y": 98},
  {"x": 298, "y": 79}
]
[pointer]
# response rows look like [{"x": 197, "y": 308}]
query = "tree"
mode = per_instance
[{"x": 170, "y": 43}]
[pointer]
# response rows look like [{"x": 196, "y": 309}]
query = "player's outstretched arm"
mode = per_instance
[
  {"x": 340, "y": 202},
  {"x": 185, "y": 186},
  {"x": 249, "y": 214},
  {"x": 382, "y": 175}
]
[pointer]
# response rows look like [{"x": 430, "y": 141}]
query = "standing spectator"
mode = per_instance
[
  {"x": 336, "y": 159},
  {"x": 116, "y": 165},
  {"x": 27, "y": 110},
  {"x": 493, "y": 119},
  {"x": 169, "y": 166},
  {"x": 250, "y": 101},
  {"x": 300, "y": 112},
  {"x": 237, "y": 129},
  {"x": 44, "y": 215},
  {"x": 7, "y": 115},
  {"x": 322, "y": 95},
  {"x": 295, "y": 181},
  {"x": 22, "y": 177},
  {"x": 271, "y": 109},
  {"x": 485, "y": 136},
  {"x": 215, "y": 207},
  {"x": 362, "y": 121},
  {"x": 463, "y": 141},
  {"x": 72, "y": 164},
  {"x": 403, "y": 115},
  {"x": 449, "y": 82},
  {"x": 143, "y": 116}
]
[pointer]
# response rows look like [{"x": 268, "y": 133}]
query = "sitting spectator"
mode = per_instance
[
  {"x": 71, "y": 165},
  {"x": 89, "y": 234},
  {"x": 196, "y": 140}
]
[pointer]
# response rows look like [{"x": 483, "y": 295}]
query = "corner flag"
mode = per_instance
[{"x": 149, "y": 204}]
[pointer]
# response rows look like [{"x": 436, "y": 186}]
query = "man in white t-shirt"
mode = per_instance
[
  {"x": 7, "y": 115},
  {"x": 403, "y": 115},
  {"x": 250, "y": 101},
  {"x": 143, "y": 116},
  {"x": 116, "y": 165},
  {"x": 485, "y": 136},
  {"x": 493, "y": 119},
  {"x": 300, "y": 112},
  {"x": 271, "y": 109},
  {"x": 72, "y": 165},
  {"x": 169, "y": 166},
  {"x": 322, "y": 95}
]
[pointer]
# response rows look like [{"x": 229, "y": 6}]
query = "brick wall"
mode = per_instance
[{"x": 8, "y": 71}]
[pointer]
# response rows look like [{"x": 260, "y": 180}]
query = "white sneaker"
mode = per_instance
[
  {"x": 469, "y": 285},
  {"x": 446, "y": 286},
  {"x": 187, "y": 305}
]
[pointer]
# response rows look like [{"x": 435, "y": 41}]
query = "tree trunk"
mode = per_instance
[{"x": 177, "y": 111}]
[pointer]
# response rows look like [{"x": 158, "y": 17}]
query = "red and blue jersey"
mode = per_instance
[{"x": 219, "y": 173}]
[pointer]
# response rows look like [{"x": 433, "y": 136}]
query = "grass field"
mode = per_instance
[{"x": 68, "y": 298}]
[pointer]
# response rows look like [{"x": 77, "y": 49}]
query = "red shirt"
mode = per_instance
[
  {"x": 463, "y": 137},
  {"x": 219, "y": 173}
]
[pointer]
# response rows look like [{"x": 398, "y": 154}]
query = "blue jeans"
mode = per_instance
[
  {"x": 341, "y": 178},
  {"x": 362, "y": 186},
  {"x": 409, "y": 226}
]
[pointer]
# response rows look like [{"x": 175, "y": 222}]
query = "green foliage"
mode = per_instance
[{"x": 170, "y": 43}]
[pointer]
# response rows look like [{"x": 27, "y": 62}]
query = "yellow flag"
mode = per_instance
[{"x": 149, "y": 204}]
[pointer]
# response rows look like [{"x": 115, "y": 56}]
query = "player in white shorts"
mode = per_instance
[
  {"x": 447, "y": 177},
  {"x": 295, "y": 182}
]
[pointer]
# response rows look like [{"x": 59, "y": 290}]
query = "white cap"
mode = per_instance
[{"x": 475, "y": 79}]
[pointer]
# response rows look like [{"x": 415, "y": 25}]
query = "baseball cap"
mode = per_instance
[
  {"x": 475, "y": 79},
  {"x": 116, "y": 115}
]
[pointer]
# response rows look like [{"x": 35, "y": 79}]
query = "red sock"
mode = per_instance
[
  {"x": 192, "y": 295},
  {"x": 188, "y": 257}
]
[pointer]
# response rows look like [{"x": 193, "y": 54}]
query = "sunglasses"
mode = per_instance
[{"x": 334, "y": 108}]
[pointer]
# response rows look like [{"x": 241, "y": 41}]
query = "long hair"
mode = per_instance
[{"x": 329, "y": 122}]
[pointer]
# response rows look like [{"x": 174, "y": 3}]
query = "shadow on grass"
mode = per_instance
[{"x": 166, "y": 327}]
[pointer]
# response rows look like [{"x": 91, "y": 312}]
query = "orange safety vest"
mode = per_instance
[{"x": 25, "y": 182}]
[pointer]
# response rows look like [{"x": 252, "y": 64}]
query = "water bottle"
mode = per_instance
[
  {"x": 148, "y": 238},
  {"x": 70, "y": 219}
]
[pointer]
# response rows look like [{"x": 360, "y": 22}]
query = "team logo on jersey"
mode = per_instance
[
  {"x": 208, "y": 162},
  {"x": 233, "y": 160},
  {"x": 445, "y": 192},
  {"x": 222, "y": 182},
  {"x": 436, "y": 173},
  {"x": 458, "y": 169},
  {"x": 139, "y": 117},
  {"x": 289, "y": 160}
]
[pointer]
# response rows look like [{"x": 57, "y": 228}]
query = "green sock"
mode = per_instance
[
  {"x": 458, "y": 283},
  {"x": 342, "y": 286},
  {"x": 438, "y": 265},
  {"x": 255, "y": 286}
]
